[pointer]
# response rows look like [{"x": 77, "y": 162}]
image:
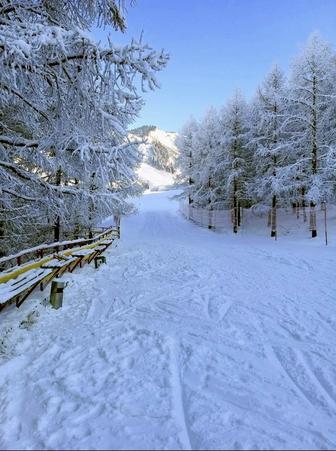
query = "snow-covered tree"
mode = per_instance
[
  {"x": 233, "y": 161},
  {"x": 268, "y": 142},
  {"x": 186, "y": 142},
  {"x": 311, "y": 94},
  {"x": 206, "y": 142},
  {"x": 278, "y": 150},
  {"x": 65, "y": 104}
]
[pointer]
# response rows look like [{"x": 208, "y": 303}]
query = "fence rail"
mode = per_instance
[
  {"x": 47, "y": 249},
  {"x": 260, "y": 219},
  {"x": 204, "y": 217},
  {"x": 18, "y": 282}
]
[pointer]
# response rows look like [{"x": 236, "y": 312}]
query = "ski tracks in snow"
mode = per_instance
[
  {"x": 177, "y": 395},
  {"x": 185, "y": 339}
]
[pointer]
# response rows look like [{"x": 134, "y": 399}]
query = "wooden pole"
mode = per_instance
[{"x": 274, "y": 218}]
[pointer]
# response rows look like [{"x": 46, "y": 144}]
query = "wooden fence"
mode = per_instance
[
  {"x": 24, "y": 271},
  {"x": 204, "y": 217},
  {"x": 38, "y": 252}
]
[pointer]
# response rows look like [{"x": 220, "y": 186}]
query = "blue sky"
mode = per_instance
[{"x": 217, "y": 46}]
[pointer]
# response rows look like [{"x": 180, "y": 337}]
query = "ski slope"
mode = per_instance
[
  {"x": 155, "y": 179},
  {"x": 186, "y": 339}
]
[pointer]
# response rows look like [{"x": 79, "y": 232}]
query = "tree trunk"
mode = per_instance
[
  {"x": 77, "y": 227},
  {"x": 190, "y": 179},
  {"x": 274, "y": 218},
  {"x": 304, "y": 205},
  {"x": 57, "y": 225},
  {"x": 314, "y": 158},
  {"x": 2, "y": 233},
  {"x": 274, "y": 198},
  {"x": 209, "y": 202},
  {"x": 235, "y": 205},
  {"x": 91, "y": 205},
  {"x": 312, "y": 224}
]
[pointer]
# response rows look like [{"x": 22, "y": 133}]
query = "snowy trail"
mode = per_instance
[{"x": 186, "y": 339}]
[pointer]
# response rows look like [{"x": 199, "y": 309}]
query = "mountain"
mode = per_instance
[{"x": 160, "y": 154}]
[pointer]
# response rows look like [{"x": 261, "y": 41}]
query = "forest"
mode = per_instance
[{"x": 276, "y": 150}]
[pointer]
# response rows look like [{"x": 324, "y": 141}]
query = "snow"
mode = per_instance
[
  {"x": 185, "y": 339},
  {"x": 159, "y": 150},
  {"x": 155, "y": 178},
  {"x": 166, "y": 138}
]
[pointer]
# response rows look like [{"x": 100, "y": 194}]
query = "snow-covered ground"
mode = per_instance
[
  {"x": 155, "y": 178},
  {"x": 149, "y": 172},
  {"x": 185, "y": 339}
]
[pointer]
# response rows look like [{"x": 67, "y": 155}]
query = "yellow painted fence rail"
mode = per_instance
[{"x": 22, "y": 272}]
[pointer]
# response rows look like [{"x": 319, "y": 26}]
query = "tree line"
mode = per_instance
[
  {"x": 66, "y": 102},
  {"x": 277, "y": 150}
]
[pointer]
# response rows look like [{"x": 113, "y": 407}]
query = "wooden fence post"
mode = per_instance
[{"x": 116, "y": 219}]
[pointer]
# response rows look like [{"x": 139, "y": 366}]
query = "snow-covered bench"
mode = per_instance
[
  {"x": 106, "y": 242},
  {"x": 61, "y": 263},
  {"x": 19, "y": 288},
  {"x": 87, "y": 255}
]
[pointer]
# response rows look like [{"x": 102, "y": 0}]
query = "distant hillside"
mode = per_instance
[
  {"x": 143, "y": 131},
  {"x": 160, "y": 154},
  {"x": 158, "y": 146}
]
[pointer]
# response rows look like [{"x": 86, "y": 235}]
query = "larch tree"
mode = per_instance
[
  {"x": 66, "y": 103},
  {"x": 186, "y": 142},
  {"x": 235, "y": 158},
  {"x": 310, "y": 88},
  {"x": 208, "y": 139},
  {"x": 268, "y": 142},
  {"x": 276, "y": 151}
]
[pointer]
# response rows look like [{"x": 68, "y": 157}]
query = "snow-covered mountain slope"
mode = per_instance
[
  {"x": 155, "y": 179},
  {"x": 160, "y": 153},
  {"x": 185, "y": 339}
]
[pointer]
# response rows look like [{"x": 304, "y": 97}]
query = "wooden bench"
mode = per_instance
[
  {"x": 18, "y": 283},
  {"x": 107, "y": 243},
  {"x": 61, "y": 263},
  {"x": 87, "y": 255},
  {"x": 19, "y": 289}
]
